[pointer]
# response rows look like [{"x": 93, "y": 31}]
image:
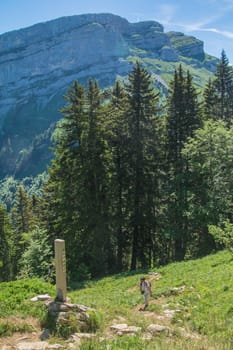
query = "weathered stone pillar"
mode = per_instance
[{"x": 60, "y": 263}]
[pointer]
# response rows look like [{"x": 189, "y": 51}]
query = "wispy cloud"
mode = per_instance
[
  {"x": 168, "y": 17},
  {"x": 207, "y": 19},
  {"x": 200, "y": 27},
  {"x": 225, "y": 33}
]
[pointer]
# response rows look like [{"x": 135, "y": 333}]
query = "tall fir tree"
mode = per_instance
[
  {"x": 209, "y": 101},
  {"x": 141, "y": 120},
  {"x": 21, "y": 223},
  {"x": 62, "y": 192},
  {"x": 116, "y": 132},
  {"x": 183, "y": 119},
  {"x": 6, "y": 246},
  {"x": 77, "y": 191},
  {"x": 223, "y": 83},
  {"x": 97, "y": 240}
]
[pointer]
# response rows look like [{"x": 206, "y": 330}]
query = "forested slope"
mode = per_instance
[{"x": 132, "y": 185}]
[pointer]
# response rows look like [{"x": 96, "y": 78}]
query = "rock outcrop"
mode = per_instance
[{"x": 187, "y": 46}]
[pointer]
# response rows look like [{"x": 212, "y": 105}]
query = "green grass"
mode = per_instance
[
  {"x": 182, "y": 40},
  {"x": 206, "y": 303},
  {"x": 166, "y": 69},
  {"x": 15, "y": 298},
  {"x": 206, "y": 307},
  {"x": 16, "y": 309},
  {"x": 8, "y": 327}
]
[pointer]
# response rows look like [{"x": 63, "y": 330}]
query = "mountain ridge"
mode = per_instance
[{"x": 38, "y": 64}]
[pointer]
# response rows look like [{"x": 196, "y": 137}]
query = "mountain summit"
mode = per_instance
[{"x": 39, "y": 63}]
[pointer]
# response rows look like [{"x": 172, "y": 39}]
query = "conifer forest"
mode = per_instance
[{"x": 137, "y": 180}]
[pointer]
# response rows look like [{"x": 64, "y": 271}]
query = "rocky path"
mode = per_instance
[{"x": 158, "y": 320}]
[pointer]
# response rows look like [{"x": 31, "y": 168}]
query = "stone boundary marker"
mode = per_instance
[{"x": 60, "y": 263}]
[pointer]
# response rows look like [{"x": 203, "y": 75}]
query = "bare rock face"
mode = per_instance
[
  {"x": 187, "y": 46},
  {"x": 39, "y": 63}
]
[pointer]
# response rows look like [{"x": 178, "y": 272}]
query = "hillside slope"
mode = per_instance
[
  {"x": 39, "y": 63},
  {"x": 191, "y": 302}
]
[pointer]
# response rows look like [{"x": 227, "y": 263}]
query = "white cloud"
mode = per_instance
[
  {"x": 225, "y": 33},
  {"x": 199, "y": 27},
  {"x": 167, "y": 14}
]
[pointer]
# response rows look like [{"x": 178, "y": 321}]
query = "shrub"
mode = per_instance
[
  {"x": 64, "y": 330},
  {"x": 223, "y": 236},
  {"x": 36, "y": 261},
  {"x": 95, "y": 321}
]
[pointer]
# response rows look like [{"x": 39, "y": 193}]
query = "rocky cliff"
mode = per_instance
[{"x": 37, "y": 64}]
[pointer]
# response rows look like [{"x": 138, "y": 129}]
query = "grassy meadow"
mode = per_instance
[{"x": 198, "y": 294}]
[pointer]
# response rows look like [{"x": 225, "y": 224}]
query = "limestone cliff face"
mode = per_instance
[
  {"x": 39, "y": 63},
  {"x": 41, "y": 60},
  {"x": 187, "y": 46}
]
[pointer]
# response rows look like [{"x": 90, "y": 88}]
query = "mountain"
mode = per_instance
[{"x": 39, "y": 63}]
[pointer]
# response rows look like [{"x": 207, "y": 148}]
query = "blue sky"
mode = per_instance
[{"x": 208, "y": 20}]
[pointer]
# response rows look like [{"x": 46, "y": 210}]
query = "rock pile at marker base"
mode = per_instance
[{"x": 63, "y": 311}]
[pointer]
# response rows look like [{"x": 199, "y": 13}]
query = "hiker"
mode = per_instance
[{"x": 145, "y": 288}]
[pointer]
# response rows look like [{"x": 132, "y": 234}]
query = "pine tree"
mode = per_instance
[
  {"x": 77, "y": 191},
  {"x": 141, "y": 119},
  {"x": 21, "y": 221},
  {"x": 116, "y": 132},
  {"x": 223, "y": 83},
  {"x": 6, "y": 246},
  {"x": 61, "y": 208},
  {"x": 97, "y": 237},
  {"x": 21, "y": 212},
  {"x": 183, "y": 119},
  {"x": 209, "y": 101}
]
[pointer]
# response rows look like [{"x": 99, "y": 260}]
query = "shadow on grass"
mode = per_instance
[{"x": 74, "y": 285}]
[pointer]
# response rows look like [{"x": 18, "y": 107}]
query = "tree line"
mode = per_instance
[{"x": 133, "y": 184}]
